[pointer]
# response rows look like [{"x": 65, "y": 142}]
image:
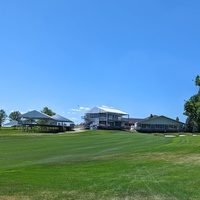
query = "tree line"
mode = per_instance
[{"x": 192, "y": 110}]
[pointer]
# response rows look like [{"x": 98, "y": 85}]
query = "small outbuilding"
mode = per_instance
[
  {"x": 62, "y": 122},
  {"x": 12, "y": 123}
]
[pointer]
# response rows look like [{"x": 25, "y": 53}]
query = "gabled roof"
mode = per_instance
[
  {"x": 34, "y": 114},
  {"x": 11, "y": 123},
  {"x": 106, "y": 110},
  {"x": 60, "y": 118},
  {"x": 156, "y": 117},
  {"x": 133, "y": 120}
]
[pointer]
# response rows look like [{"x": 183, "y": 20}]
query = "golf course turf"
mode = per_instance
[{"x": 98, "y": 165}]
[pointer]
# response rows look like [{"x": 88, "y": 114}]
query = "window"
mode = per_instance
[
  {"x": 173, "y": 126},
  {"x": 110, "y": 116},
  {"x": 160, "y": 126},
  {"x": 110, "y": 124},
  {"x": 117, "y": 117},
  {"x": 102, "y": 123},
  {"x": 117, "y": 123},
  {"x": 102, "y": 115},
  {"x": 146, "y": 126},
  {"x": 94, "y": 115}
]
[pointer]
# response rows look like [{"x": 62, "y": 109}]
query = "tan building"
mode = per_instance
[{"x": 159, "y": 124}]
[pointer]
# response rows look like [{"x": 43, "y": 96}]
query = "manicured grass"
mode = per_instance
[
  {"x": 99, "y": 165},
  {"x": 5, "y": 130}
]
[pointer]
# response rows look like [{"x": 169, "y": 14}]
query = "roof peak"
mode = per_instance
[{"x": 103, "y": 109}]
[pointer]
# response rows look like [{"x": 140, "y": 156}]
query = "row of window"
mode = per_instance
[
  {"x": 157, "y": 126},
  {"x": 103, "y": 115},
  {"x": 103, "y": 123}
]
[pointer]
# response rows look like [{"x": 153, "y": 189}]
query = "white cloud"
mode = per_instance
[
  {"x": 75, "y": 110},
  {"x": 74, "y": 119},
  {"x": 84, "y": 108},
  {"x": 23, "y": 112}
]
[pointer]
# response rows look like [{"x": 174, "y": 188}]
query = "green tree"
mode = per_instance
[
  {"x": 197, "y": 82},
  {"x": 48, "y": 111},
  {"x": 2, "y": 116},
  {"x": 177, "y": 119},
  {"x": 15, "y": 115},
  {"x": 151, "y": 116},
  {"x": 192, "y": 110}
]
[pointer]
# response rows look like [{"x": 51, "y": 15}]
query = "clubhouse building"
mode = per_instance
[
  {"x": 158, "y": 124},
  {"x": 105, "y": 118}
]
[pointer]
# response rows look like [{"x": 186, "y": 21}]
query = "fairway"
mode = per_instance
[{"x": 99, "y": 165}]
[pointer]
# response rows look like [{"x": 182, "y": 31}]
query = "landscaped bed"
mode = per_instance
[{"x": 98, "y": 165}]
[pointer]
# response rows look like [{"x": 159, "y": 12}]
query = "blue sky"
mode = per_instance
[{"x": 138, "y": 56}]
